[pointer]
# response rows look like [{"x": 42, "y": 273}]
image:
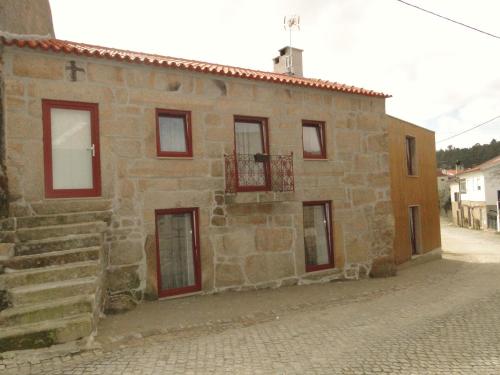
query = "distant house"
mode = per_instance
[
  {"x": 444, "y": 178},
  {"x": 475, "y": 196}
]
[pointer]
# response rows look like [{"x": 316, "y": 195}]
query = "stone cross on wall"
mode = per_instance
[{"x": 73, "y": 70}]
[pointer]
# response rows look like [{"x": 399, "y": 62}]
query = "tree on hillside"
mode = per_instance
[{"x": 469, "y": 157}]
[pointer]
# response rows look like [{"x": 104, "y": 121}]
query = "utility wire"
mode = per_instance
[
  {"x": 449, "y": 19},
  {"x": 468, "y": 130}
]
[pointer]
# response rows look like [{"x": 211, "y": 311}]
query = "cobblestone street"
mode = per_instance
[{"x": 438, "y": 317}]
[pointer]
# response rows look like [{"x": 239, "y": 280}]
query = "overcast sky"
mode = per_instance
[{"x": 442, "y": 76}]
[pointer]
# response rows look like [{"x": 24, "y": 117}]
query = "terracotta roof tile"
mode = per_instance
[{"x": 63, "y": 46}]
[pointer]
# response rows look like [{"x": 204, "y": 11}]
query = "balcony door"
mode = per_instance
[
  {"x": 252, "y": 153},
  {"x": 71, "y": 149}
]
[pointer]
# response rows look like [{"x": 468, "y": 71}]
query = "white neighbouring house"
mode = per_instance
[{"x": 475, "y": 196}]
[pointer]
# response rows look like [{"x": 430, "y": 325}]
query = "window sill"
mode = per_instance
[
  {"x": 316, "y": 159},
  {"x": 175, "y": 157}
]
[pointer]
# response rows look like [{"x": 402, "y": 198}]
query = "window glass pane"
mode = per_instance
[
  {"x": 312, "y": 139},
  {"x": 71, "y": 152},
  {"x": 172, "y": 134},
  {"x": 175, "y": 242},
  {"x": 248, "y": 138},
  {"x": 316, "y": 234},
  {"x": 410, "y": 156},
  {"x": 248, "y": 143}
]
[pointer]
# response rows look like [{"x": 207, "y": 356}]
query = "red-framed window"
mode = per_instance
[
  {"x": 251, "y": 148},
  {"x": 313, "y": 139},
  {"x": 318, "y": 235},
  {"x": 72, "y": 167},
  {"x": 178, "y": 251},
  {"x": 173, "y": 133}
]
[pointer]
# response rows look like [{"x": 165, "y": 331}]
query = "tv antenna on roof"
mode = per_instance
[{"x": 290, "y": 23}]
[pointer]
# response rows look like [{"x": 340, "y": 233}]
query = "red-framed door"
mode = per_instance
[
  {"x": 178, "y": 251},
  {"x": 71, "y": 149}
]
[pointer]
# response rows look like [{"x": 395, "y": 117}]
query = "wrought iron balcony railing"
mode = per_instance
[{"x": 259, "y": 172}]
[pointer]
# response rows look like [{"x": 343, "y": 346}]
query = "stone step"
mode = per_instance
[
  {"x": 48, "y": 274},
  {"x": 54, "y": 231},
  {"x": 63, "y": 219},
  {"x": 52, "y": 258},
  {"x": 44, "y": 334},
  {"x": 53, "y": 309},
  {"x": 60, "y": 206},
  {"x": 50, "y": 291},
  {"x": 7, "y": 236},
  {"x": 58, "y": 244}
]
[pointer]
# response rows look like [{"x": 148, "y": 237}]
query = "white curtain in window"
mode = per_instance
[
  {"x": 248, "y": 138},
  {"x": 172, "y": 134},
  {"x": 71, "y": 153},
  {"x": 248, "y": 143},
  {"x": 175, "y": 235},
  {"x": 312, "y": 139},
  {"x": 316, "y": 234}
]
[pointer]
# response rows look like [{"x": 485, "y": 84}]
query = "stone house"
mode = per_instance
[
  {"x": 475, "y": 196},
  {"x": 132, "y": 176}
]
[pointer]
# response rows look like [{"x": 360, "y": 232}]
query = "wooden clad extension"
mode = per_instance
[{"x": 419, "y": 189}]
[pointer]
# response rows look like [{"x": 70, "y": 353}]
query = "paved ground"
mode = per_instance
[{"x": 440, "y": 317}]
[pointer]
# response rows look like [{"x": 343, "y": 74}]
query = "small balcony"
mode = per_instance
[{"x": 259, "y": 172}]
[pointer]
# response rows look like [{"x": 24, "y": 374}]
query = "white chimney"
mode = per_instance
[{"x": 289, "y": 61}]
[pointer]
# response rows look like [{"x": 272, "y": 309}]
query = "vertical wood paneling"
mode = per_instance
[{"x": 418, "y": 190}]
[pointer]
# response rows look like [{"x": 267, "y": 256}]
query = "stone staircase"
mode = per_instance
[{"x": 51, "y": 273}]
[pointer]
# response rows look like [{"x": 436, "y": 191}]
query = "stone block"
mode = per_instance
[
  {"x": 127, "y": 148},
  {"x": 273, "y": 239},
  {"x": 377, "y": 143},
  {"x": 257, "y": 269},
  {"x": 361, "y": 196},
  {"x": 378, "y": 180},
  {"x": 248, "y": 220},
  {"x": 218, "y": 221},
  {"x": 237, "y": 243},
  {"x": 368, "y": 122},
  {"x": 158, "y": 184},
  {"x": 14, "y": 103},
  {"x": 228, "y": 275},
  {"x": 383, "y": 267},
  {"x": 151, "y": 291},
  {"x": 365, "y": 163},
  {"x": 267, "y": 267},
  {"x": 122, "y": 278},
  {"x": 281, "y": 265},
  {"x": 19, "y": 125},
  {"x": 347, "y": 140},
  {"x": 216, "y": 168},
  {"x": 283, "y": 220},
  {"x": 34, "y": 66},
  {"x": 125, "y": 252},
  {"x": 105, "y": 73},
  {"x": 120, "y": 303},
  {"x": 13, "y": 87},
  {"x": 212, "y": 119}
]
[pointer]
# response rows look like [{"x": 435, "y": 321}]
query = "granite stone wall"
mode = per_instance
[{"x": 247, "y": 240}]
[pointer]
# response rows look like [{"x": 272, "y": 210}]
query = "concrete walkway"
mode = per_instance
[{"x": 438, "y": 317}]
